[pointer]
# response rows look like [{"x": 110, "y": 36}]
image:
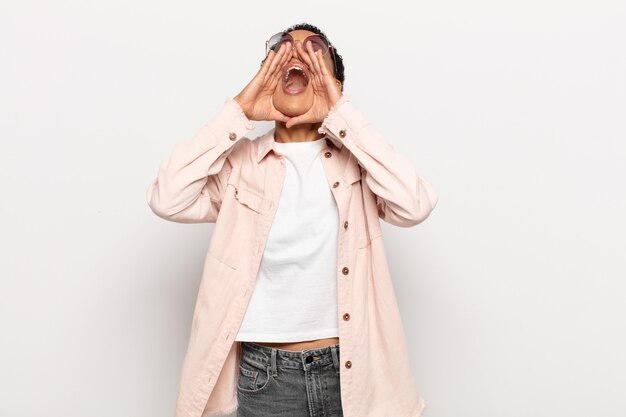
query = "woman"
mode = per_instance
[{"x": 296, "y": 262}]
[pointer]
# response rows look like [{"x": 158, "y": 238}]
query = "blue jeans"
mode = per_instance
[{"x": 286, "y": 383}]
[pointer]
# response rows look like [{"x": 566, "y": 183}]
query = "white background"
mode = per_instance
[{"x": 512, "y": 292}]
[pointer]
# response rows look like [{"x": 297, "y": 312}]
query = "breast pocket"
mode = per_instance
[
  {"x": 251, "y": 199},
  {"x": 237, "y": 227}
]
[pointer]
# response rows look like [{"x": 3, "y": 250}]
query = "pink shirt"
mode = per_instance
[{"x": 224, "y": 177}]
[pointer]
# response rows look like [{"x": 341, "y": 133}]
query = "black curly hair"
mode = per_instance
[{"x": 339, "y": 73}]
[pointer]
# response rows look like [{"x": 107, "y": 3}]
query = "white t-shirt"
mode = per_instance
[{"x": 295, "y": 293}]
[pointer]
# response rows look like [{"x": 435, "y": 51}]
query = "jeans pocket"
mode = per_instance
[{"x": 253, "y": 377}]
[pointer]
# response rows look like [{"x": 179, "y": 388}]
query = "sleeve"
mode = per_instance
[
  {"x": 403, "y": 197},
  {"x": 190, "y": 183}
]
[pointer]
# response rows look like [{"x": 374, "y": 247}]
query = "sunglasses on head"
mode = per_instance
[{"x": 318, "y": 42}]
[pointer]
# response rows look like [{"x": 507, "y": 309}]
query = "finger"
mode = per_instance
[
  {"x": 305, "y": 56},
  {"x": 323, "y": 66},
  {"x": 315, "y": 59},
  {"x": 318, "y": 70},
  {"x": 303, "y": 118},
  {"x": 268, "y": 61},
  {"x": 331, "y": 86},
  {"x": 293, "y": 121},
  {"x": 315, "y": 56},
  {"x": 276, "y": 115},
  {"x": 315, "y": 79},
  {"x": 274, "y": 78},
  {"x": 286, "y": 57},
  {"x": 274, "y": 64}
]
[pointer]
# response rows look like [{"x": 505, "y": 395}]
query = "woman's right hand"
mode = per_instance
[{"x": 256, "y": 98}]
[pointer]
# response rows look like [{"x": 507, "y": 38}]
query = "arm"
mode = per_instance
[
  {"x": 190, "y": 183},
  {"x": 403, "y": 197}
]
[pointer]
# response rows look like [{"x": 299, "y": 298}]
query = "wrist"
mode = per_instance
[{"x": 237, "y": 100}]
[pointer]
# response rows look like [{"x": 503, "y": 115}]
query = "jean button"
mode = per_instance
[{"x": 309, "y": 359}]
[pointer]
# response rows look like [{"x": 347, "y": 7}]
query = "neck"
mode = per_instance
[{"x": 305, "y": 132}]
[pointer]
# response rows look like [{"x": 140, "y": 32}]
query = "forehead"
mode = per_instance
[{"x": 300, "y": 34}]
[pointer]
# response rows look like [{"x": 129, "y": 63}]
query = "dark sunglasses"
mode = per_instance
[{"x": 318, "y": 42}]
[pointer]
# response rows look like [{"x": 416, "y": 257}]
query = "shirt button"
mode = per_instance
[
  {"x": 346, "y": 317},
  {"x": 328, "y": 154},
  {"x": 336, "y": 184},
  {"x": 232, "y": 136},
  {"x": 348, "y": 364},
  {"x": 342, "y": 133},
  {"x": 345, "y": 270},
  {"x": 345, "y": 224}
]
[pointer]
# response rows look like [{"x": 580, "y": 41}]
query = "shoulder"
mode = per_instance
[{"x": 250, "y": 148}]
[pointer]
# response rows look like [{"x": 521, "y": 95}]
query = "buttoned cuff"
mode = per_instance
[
  {"x": 343, "y": 122},
  {"x": 219, "y": 134},
  {"x": 231, "y": 123}
]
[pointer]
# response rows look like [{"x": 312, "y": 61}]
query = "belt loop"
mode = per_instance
[
  {"x": 335, "y": 353},
  {"x": 273, "y": 364}
]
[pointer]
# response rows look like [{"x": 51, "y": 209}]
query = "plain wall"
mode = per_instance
[{"x": 512, "y": 292}]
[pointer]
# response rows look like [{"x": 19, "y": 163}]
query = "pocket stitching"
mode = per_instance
[
  {"x": 249, "y": 199},
  {"x": 248, "y": 372},
  {"x": 262, "y": 388},
  {"x": 218, "y": 259}
]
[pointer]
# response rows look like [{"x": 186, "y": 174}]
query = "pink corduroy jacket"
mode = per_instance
[{"x": 224, "y": 177}]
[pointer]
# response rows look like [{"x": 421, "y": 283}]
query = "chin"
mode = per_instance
[{"x": 293, "y": 105}]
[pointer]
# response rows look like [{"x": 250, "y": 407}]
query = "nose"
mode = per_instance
[
  {"x": 296, "y": 55},
  {"x": 295, "y": 51}
]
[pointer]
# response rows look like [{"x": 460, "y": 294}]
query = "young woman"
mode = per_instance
[{"x": 296, "y": 265}]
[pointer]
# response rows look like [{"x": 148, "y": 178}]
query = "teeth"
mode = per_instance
[{"x": 298, "y": 67}]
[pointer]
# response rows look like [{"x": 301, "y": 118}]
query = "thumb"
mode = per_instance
[
  {"x": 276, "y": 115},
  {"x": 292, "y": 121}
]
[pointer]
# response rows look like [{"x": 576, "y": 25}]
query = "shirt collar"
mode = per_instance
[{"x": 266, "y": 144}]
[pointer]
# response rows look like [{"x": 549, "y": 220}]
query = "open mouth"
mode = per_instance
[{"x": 295, "y": 79}]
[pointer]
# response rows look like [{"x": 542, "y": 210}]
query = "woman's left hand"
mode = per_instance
[{"x": 326, "y": 88}]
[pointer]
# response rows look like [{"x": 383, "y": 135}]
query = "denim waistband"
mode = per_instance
[{"x": 295, "y": 359}]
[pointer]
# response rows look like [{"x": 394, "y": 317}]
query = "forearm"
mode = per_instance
[
  {"x": 193, "y": 168},
  {"x": 404, "y": 197}
]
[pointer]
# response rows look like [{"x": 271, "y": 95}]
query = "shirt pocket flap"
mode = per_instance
[{"x": 251, "y": 200}]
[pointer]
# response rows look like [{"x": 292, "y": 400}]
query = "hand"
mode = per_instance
[
  {"x": 256, "y": 98},
  {"x": 326, "y": 88}
]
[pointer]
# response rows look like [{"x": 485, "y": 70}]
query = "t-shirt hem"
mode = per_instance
[{"x": 289, "y": 337}]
